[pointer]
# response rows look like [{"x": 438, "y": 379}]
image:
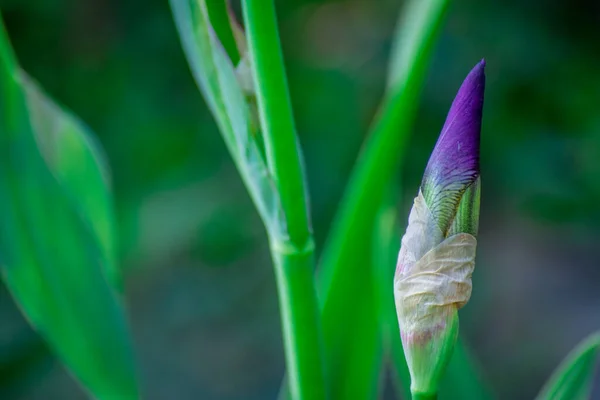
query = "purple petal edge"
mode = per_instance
[{"x": 454, "y": 162}]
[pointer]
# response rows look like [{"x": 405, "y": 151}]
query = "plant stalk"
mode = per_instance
[
  {"x": 276, "y": 118},
  {"x": 297, "y": 302},
  {"x": 292, "y": 246}
]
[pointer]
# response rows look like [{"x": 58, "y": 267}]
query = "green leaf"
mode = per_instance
[
  {"x": 54, "y": 254},
  {"x": 573, "y": 378},
  {"x": 78, "y": 163},
  {"x": 346, "y": 281},
  {"x": 216, "y": 78},
  {"x": 346, "y": 271}
]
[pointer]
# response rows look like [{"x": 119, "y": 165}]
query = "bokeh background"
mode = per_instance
[{"x": 200, "y": 289}]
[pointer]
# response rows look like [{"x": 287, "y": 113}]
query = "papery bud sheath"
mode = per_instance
[{"x": 437, "y": 255}]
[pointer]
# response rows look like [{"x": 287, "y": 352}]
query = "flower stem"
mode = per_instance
[
  {"x": 298, "y": 305},
  {"x": 276, "y": 118},
  {"x": 292, "y": 247}
]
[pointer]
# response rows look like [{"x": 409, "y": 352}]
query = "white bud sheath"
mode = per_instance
[{"x": 432, "y": 273}]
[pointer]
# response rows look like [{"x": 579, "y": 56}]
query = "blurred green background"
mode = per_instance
[{"x": 199, "y": 284}]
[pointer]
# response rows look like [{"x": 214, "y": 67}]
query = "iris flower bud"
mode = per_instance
[{"x": 437, "y": 257}]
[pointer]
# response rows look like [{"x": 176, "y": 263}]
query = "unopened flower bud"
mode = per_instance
[{"x": 437, "y": 257}]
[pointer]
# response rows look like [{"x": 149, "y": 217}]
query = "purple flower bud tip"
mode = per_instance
[{"x": 454, "y": 162}]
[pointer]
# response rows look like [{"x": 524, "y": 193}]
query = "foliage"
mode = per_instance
[{"x": 56, "y": 238}]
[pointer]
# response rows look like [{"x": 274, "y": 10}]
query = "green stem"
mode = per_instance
[
  {"x": 292, "y": 249},
  {"x": 276, "y": 118},
  {"x": 298, "y": 305},
  {"x": 219, "y": 19}
]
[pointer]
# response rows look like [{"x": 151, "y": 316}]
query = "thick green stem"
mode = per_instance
[
  {"x": 292, "y": 247},
  {"x": 298, "y": 305},
  {"x": 276, "y": 118}
]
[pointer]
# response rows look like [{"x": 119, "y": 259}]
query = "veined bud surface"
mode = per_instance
[{"x": 437, "y": 255}]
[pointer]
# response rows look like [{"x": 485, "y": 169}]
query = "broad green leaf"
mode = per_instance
[
  {"x": 573, "y": 378},
  {"x": 231, "y": 106},
  {"x": 52, "y": 255}
]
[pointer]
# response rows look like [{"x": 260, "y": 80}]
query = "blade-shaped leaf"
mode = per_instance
[
  {"x": 216, "y": 77},
  {"x": 78, "y": 163},
  {"x": 573, "y": 378},
  {"x": 346, "y": 264},
  {"x": 54, "y": 257}
]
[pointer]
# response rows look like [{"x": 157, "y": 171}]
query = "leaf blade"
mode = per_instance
[
  {"x": 573, "y": 378},
  {"x": 51, "y": 259},
  {"x": 78, "y": 163},
  {"x": 349, "y": 242}
]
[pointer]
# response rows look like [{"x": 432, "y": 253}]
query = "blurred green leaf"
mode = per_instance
[
  {"x": 347, "y": 284},
  {"x": 573, "y": 378},
  {"x": 79, "y": 165},
  {"x": 54, "y": 254},
  {"x": 216, "y": 78}
]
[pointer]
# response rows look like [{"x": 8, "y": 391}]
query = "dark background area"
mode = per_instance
[{"x": 200, "y": 289}]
